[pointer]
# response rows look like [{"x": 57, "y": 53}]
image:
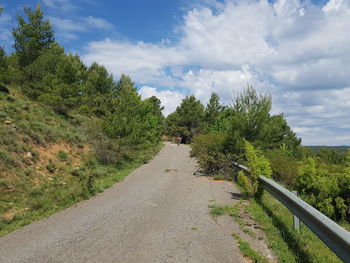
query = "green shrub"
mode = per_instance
[
  {"x": 10, "y": 98},
  {"x": 8, "y": 161},
  {"x": 326, "y": 187},
  {"x": 258, "y": 165},
  {"x": 29, "y": 171},
  {"x": 51, "y": 166},
  {"x": 86, "y": 179},
  {"x": 62, "y": 156},
  {"x": 26, "y": 138},
  {"x": 245, "y": 183},
  {"x": 209, "y": 150},
  {"x": 77, "y": 172},
  {"x": 35, "y": 155},
  {"x": 284, "y": 166}
]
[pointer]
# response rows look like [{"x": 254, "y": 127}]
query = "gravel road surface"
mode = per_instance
[{"x": 159, "y": 213}]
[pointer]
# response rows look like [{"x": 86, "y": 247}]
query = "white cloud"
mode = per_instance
[
  {"x": 67, "y": 24},
  {"x": 298, "y": 51},
  {"x": 68, "y": 28},
  {"x": 63, "y": 5},
  {"x": 98, "y": 23},
  {"x": 334, "y": 5},
  {"x": 169, "y": 99},
  {"x": 5, "y": 23},
  {"x": 143, "y": 61}
]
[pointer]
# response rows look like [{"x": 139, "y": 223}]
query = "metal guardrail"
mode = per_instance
[{"x": 332, "y": 234}]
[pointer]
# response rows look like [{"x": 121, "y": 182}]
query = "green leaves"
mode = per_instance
[
  {"x": 132, "y": 121},
  {"x": 258, "y": 165},
  {"x": 187, "y": 120},
  {"x": 3, "y": 66},
  {"x": 326, "y": 187},
  {"x": 33, "y": 36},
  {"x": 98, "y": 81},
  {"x": 251, "y": 120}
]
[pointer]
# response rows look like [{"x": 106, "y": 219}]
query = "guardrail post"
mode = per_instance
[{"x": 296, "y": 221}]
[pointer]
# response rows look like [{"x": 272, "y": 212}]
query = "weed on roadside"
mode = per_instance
[{"x": 247, "y": 251}]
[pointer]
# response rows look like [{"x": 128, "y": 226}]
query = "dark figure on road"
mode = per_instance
[{"x": 179, "y": 139}]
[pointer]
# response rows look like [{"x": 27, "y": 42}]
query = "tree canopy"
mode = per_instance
[
  {"x": 32, "y": 36},
  {"x": 187, "y": 119}
]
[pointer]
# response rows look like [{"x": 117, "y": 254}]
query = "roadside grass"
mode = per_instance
[
  {"x": 288, "y": 244},
  {"x": 233, "y": 211},
  {"x": 218, "y": 210},
  {"x": 247, "y": 251}
]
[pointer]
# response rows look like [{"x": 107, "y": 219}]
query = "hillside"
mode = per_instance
[
  {"x": 340, "y": 149},
  {"x": 47, "y": 162}
]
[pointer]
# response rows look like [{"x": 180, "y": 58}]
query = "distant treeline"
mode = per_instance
[{"x": 339, "y": 149}]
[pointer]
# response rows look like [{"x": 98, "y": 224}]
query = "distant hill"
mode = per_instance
[{"x": 341, "y": 149}]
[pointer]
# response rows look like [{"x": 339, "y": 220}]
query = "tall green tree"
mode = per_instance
[
  {"x": 213, "y": 110},
  {"x": 123, "y": 119},
  {"x": 64, "y": 88},
  {"x": 252, "y": 121},
  {"x": 3, "y": 65},
  {"x": 276, "y": 133},
  {"x": 132, "y": 121},
  {"x": 187, "y": 120},
  {"x": 156, "y": 106},
  {"x": 98, "y": 81},
  {"x": 38, "y": 76},
  {"x": 154, "y": 109},
  {"x": 97, "y": 91},
  {"x": 32, "y": 36},
  {"x": 251, "y": 111}
]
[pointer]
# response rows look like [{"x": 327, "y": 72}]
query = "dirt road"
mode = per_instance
[{"x": 158, "y": 214}]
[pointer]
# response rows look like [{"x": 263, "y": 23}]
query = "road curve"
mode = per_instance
[{"x": 159, "y": 213}]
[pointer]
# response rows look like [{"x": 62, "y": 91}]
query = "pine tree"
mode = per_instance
[
  {"x": 32, "y": 37},
  {"x": 3, "y": 71},
  {"x": 213, "y": 109},
  {"x": 123, "y": 119},
  {"x": 156, "y": 107},
  {"x": 187, "y": 120},
  {"x": 99, "y": 81}
]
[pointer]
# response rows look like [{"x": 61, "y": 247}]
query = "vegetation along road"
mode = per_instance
[{"x": 158, "y": 214}]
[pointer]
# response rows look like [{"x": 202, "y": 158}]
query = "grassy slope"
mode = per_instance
[{"x": 45, "y": 162}]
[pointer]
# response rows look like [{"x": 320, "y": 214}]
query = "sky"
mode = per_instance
[{"x": 296, "y": 51}]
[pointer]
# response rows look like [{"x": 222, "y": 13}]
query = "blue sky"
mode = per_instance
[
  {"x": 151, "y": 20},
  {"x": 297, "y": 51}
]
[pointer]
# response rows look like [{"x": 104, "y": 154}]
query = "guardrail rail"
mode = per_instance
[{"x": 332, "y": 234}]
